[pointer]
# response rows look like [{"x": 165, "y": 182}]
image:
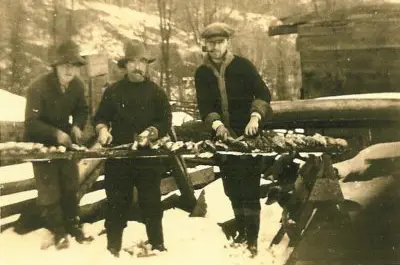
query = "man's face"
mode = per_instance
[
  {"x": 217, "y": 47},
  {"x": 137, "y": 69},
  {"x": 66, "y": 72}
]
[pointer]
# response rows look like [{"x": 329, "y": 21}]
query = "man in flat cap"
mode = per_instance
[
  {"x": 51, "y": 100},
  {"x": 234, "y": 100},
  {"x": 133, "y": 109}
]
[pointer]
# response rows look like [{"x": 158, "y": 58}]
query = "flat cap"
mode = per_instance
[{"x": 217, "y": 29}]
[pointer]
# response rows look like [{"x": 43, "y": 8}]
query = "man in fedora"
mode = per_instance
[
  {"x": 233, "y": 100},
  {"x": 133, "y": 109},
  {"x": 51, "y": 100}
]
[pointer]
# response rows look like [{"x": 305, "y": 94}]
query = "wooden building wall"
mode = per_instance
[{"x": 359, "y": 55}]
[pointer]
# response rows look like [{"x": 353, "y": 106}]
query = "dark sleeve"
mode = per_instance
[
  {"x": 205, "y": 99},
  {"x": 163, "y": 120},
  {"x": 80, "y": 113},
  {"x": 106, "y": 109},
  {"x": 262, "y": 95},
  {"x": 35, "y": 129}
]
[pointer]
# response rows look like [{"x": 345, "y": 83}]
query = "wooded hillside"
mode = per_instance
[{"x": 169, "y": 27}]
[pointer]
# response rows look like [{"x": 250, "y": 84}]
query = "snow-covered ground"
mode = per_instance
[{"x": 189, "y": 240}]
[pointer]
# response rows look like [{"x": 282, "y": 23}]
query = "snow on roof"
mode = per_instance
[{"x": 12, "y": 107}]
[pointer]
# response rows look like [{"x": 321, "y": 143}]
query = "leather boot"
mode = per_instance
[
  {"x": 53, "y": 218},
  {"x": 241, "y": 229},
  {"x": 114, "y": 240},
  {"x": 75, "y": 230},
  {"x": 252, "y": 227},
  {"x": 61, "y": 240},
  {"x": 155, "y": 234}
]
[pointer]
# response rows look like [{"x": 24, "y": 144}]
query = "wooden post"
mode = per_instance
[
  {"x": 181, "y": 177},
  {"x": 320, "y": 194}
]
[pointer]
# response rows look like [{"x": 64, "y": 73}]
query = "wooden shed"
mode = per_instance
[{"x": 348, "y": 51}]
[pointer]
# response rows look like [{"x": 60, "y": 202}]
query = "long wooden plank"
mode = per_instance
[
  {"x": 91, "y": 154},
  {"x": 334, "y": 112},
  {"x": 282, "y": 30},
  {"x": 197, "y": 177},
  {"x": 346, "y": 42},
  {"x": 382, "y": 26},
  {"x": 17, "y": 186},
  {"x": 18, "y": 207}
]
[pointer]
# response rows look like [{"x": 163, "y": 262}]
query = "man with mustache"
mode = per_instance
[
  {"x": 233, "y": 100},
  {"x": 133, "y": 109},
  {"x": 50, "y": 101}
]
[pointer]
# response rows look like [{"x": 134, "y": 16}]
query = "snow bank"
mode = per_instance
[
  {"x": 180, "y": 117},
  {"x": 12, "y": 107}
]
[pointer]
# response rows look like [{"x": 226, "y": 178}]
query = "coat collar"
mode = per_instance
[
  {"x": 54, "y": 82},
  {"x": 220, "y": 75},
  {"x": 227, "y": 60}
]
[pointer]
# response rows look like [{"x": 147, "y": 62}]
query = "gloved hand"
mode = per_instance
[
  {"x": 63, "y": 139},
  {"x": 104, "y": 136},
  {"x": 252, "y": 127},
  {"x": 76, "y": 135},
  {"x": 222, "y": 133}
]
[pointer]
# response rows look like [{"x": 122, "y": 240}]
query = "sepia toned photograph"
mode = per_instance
[{"x": 238, "y": 132}]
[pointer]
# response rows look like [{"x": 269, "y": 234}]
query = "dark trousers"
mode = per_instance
[
  {"x": 121, "y": 175},
  {"x": 241, "y": 181},
  {"x": 57, "y": 182}
]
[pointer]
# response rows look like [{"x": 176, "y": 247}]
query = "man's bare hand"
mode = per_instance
[
  {"x": 143, "y": 139},
  {"x": 63, "y": 138},
  {"x": 104, "y": 136},
  {"x": 222, "y": 133},
  {"x": 252, "y": 126},
  {"x": 76, "y": 135}
]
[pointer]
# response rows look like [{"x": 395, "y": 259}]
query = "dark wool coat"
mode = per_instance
[
  {"x": 231, "y": 93},
  {"x": 48, "y": 108},
  {"x": 129, "y": 108}
]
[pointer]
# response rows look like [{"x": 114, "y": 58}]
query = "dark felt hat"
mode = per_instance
[
  {"x": 135, "y": 50},
  {"x": 66, "y": 52},
  {"x": 217, "y": 29}
]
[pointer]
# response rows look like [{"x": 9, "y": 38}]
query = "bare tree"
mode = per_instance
[
  {"x": 17, "y": 56},
  {"x": 70, "y": 25},
  {"x": 193, "y": 16},
  {"x": 200, "y": 13},
  {"x": 165, "y": 14}
]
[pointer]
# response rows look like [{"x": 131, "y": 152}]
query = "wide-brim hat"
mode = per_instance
[
  {"x": 217, "y": 29},
  {"x": 134, "y": 51},
  {"x": 66, "y": 53}
]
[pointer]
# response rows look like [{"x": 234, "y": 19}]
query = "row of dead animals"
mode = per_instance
[{"x": 264, "y": 142}]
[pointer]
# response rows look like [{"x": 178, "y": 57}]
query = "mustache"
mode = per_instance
[{"x": 137, "y": 72}]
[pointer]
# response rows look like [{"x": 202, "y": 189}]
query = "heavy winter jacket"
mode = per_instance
[
  {"x": 48, "y": 108},
  {"x": 129, "y": 108},
  {"x": 231, "y": 93}
]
